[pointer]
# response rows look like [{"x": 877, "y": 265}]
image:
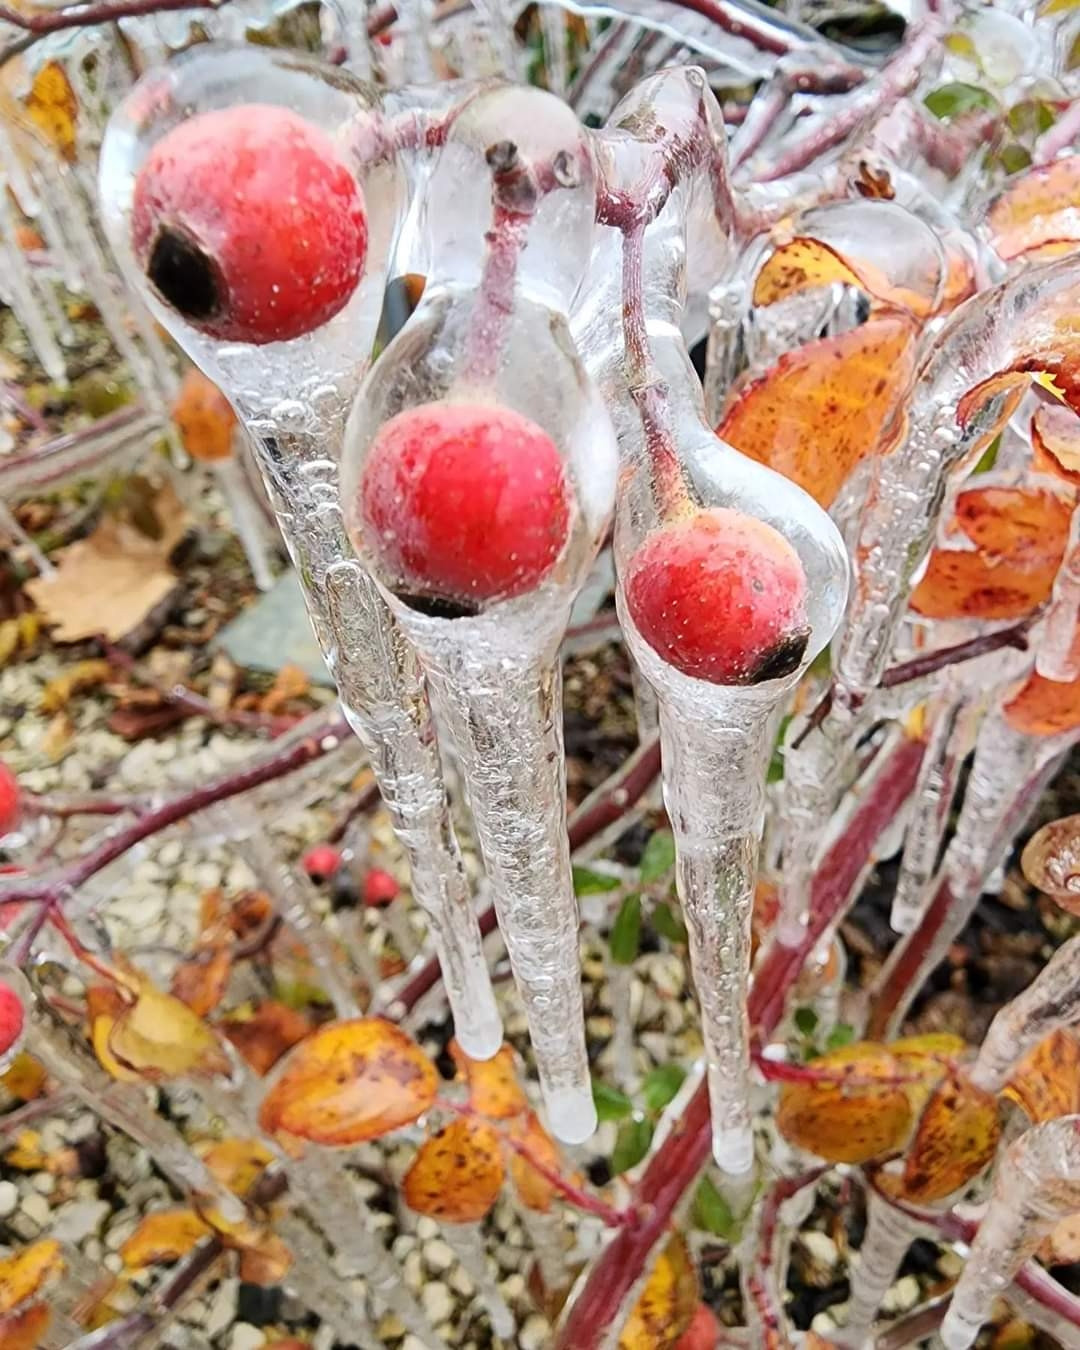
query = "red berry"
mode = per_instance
[
  {"x": 250, "y": 224},
  {"x": 321, "y": 862},
  {"x": 12, "y": 1017},
  {"x": 703, "y": 1333},
  {"x": 464, "y": 503},
  {"x": 10, "y": 797},
  {"x": 379, "y": 888},
  {"x": 720, "y": 596}
]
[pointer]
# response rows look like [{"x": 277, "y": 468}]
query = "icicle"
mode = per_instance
[
  {"x": 497, "y": 19},
  {"x": 311, "y": 1279},
  {"x": 553, "y": 26},
  {"x": 488, "y": 621},
  {"x": 1036, "y": 1184},
  {"x": 1050, "y": 1001},
  {"x": 1057, "y": 652},
  {"x": 889, "y": 1233},
  {"x": 467, "y": 1240},
  {"x": 933, "y": 796},
  {"x": 246, "y": 518},
  {"x": 547, "y": 1237},
  {"x": 18, "y": 537},
  {"x": 15, "y": 288},
  {"x": 293, "y": 397},
  {"x": 623, "y": 1041}
]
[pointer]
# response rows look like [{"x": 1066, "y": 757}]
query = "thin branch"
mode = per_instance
[
  {"x": 1060, "y": 136},
  {"x": 763, "y": 1280}
]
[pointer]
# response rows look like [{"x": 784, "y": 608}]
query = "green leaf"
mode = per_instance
[
  {"x": 776, "y": 764},
  {"x": 626, "y": 931},
  {"x": 659, "y": 857},
  {"x": 631, "y": 1144},
  {"x": 1014, "y": 159},
  {"x": 610, "y": 1103},
  {"x": 806, "y": 1020},
  {"x": 667, "y": 923},
  {"x": 661, "y": 1085},
  {"x": 712, "y": 1212},
  {"x": 587, "y": 882},
  {"x": 953, "y": 100},
  {"x": 989, "y": 457},
  {"x": 840, "y": 1036}
]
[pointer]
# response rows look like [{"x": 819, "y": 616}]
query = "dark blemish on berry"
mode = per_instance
[
  {"x": 185, "y": 276},
  {"x": 436, "y": 608},
  {"x": 783, "y": 659}
]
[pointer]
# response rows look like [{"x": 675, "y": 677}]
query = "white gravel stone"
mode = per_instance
[
  {"x": 9, "y": 1198},
  {"x": 820, "y": 1248},
  {"x": 534, "y": 1333},
  {"x": 903, "y": 1296},
  {"x": 438, "y": 1255},
  {"x": 222, "y": 1308},
  {"x": 44, "y": 1183},
  {"x": 426, "y": 1229},
  {"x": 246, "y": 1337},
  {"x": 438, "y": 1301},
  {"x": 79, "y": 1221},
  {"x": 461, "y": 1284},
  {"x": 413, "y": 1343},
  {"x": 414, "y": 1271},
  {"x": 513, "y": 1287},
  {"x": 119, "y": 1233},
  {"x": 35, "y": 1207}
]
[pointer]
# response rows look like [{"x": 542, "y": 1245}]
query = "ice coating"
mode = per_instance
[
  {"x": 716, "y": 737},
  {"x": 888, "y": 1235},
  {"x": 1051, "y": 861},
  {"x": 487, "y": 356},
  {"x": 1037, "y": 1183},
  {"x": 293, "y": 397},
  {"x": 1058, "y": 652}
]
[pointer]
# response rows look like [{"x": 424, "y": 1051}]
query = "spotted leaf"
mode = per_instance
[
  {"x": 457, "y": 1174},
  {"x": 848, "y": 1117},
  {"x": 956, "y": 1137},
  {"x": 494, "y": 1089},
  {"x": 667, "y": 1304}
]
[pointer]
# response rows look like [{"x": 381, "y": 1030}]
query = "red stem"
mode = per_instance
[{"x": 679, "y": 1160}]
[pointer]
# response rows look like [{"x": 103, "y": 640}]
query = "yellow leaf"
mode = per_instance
[
  {"x": 166, "y": 1235},
  {"x": 82, "y": 676},
  {"x": 103, "y": 1006},
  {"x": 53, "y": 108},
  {"x": 237, "y": 1163},
  {"x": 160, "y": 1038},
  {"x": 533, "y": 1188},
  {"x": 1046, "y": 1083},
  {"x": 1041, "y": 208},
  {"x": 26, "y": 1154},
  {"x": 350, "y": 1081},
  {"x": 956, "y": 1137},
  {"x": 204, "y": 418},
  {"x": 494, "y": 1089},
  {"x": 825, "y": 406},
  {"x": 25, "y": 1078},
  {"x": 25, "y": 1329},
  {"x": 844, "y": 1122},
  {"x": 25, "y": 1274},
  {"x": 804, "y": 263},
  {"x": 457, "y": 1174},
  {"x": 667, "y": 1303}
]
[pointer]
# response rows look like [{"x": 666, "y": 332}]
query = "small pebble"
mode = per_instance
[
  {"x": 426, "y": 1229},
  {"x": 44, "y": 1183},
  {"x": 534, "y": 1333},
  {"x": 820, "y": 1247},
  {"x": 903, "y": 1296},
  {"x": 414, "y": 1271},
  {"x": 246, "y": 1337},
  {"x": 9, "y": 1198},
  {"x": 35, "y": 1207},
  {"x": 438, "y": 1301},
  {"x": 438, "y": 1255}
]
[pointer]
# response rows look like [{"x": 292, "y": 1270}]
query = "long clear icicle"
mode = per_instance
[
  {"x": 467, "y": 1240},
  {"x": 246, "y": 518},
  {"x": 1037, "y": 1183},
  {"x": 293, "y": 399},
  {"x": 889, "y": 1233},
  {"x": 15, "y": 288}
]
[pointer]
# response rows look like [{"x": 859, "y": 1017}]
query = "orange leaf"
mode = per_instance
[
  {"x": 1046, "y": 1083},
  {"x": 1024, "y": 526},
  {"x": 959, "y": 585},
  {"x": 457, "y": 1174},
  {"x": 842, "y": 1124},
  {"x": 166, "y": 1235},
  {"x": 1055, "y": 440},
  {"x": 825, "y": 406},
  {"x": 25, "y": 1274},
  {"x": 201, "y": 984},
  {"x": 265, "y": 1264},
  {"x": 26, "y": 1154},
  {"x": 956, "y": 1137},
  {"x": 533, "y": 1188},
  {"x": 103, "y": 1006},
  {"x": 25, "y": 1329},
  {"x": 161, "y": 1038},
  {"x": 494, "y": 1089},
  {"x": 264, "y": 1037},
  {"x": 804, "y": 263},
  {"x": 204, "y": 418},
  {"x": 1051, "y": 862},
  {"x": 1040, "y": 208},
  {"x": 25, "y": 1078},
  {"x": 238, "y": 1163},
  {"x": 1042, "y": 707},
  {"x": 350, "y": 1081},
  {"x": 667, "y": 1304},
  {"x": 53, "y": 108}
]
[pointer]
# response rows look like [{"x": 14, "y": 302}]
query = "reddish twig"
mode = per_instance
[
  {"x": 589, "y": 1204},
  {"x": 89, "y": 16},
  {"x": 93, "y": 804},
  {"x": 676, "y": 1164},
  {"x": 1060, "y": 136},
  {"x": 761, "y": 1282},
  {"x": 780, "y": 1071}
]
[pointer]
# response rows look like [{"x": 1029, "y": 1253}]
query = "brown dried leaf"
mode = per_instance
[
  {"x": 161, "y": 1038},
  {"x": 289, "y": 683},
  {"x": 77, "y": 679},
  {"x": 351, "y": 1081},
  {"x": 204, "y": 418},
  {"x": 25, "y": 1329},
  {"x": 1042, "y": 707},
  {"x": 847, "y": 1124},
  {"x": 667, "y": 1303},
  {"x": 109, "y": 582},
  {"x": 533, "y": 1188},
  {"x": 265, "y": 1264},
  {"x": 167, "y": 1235},
  {"x": 956, "y": 1137},
  {"x": 825, "y": 406},
  {"x": 53, "y": 108},
  {"x": 494, "y": 1089},
  {"x": 1046, "y": 1083},
  {"x": 264, "y": 1037},
  {"x": 457, "y": 1174},
  {"x": 201, "y": 983},
  {"x": 25, "y": 1274}
]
